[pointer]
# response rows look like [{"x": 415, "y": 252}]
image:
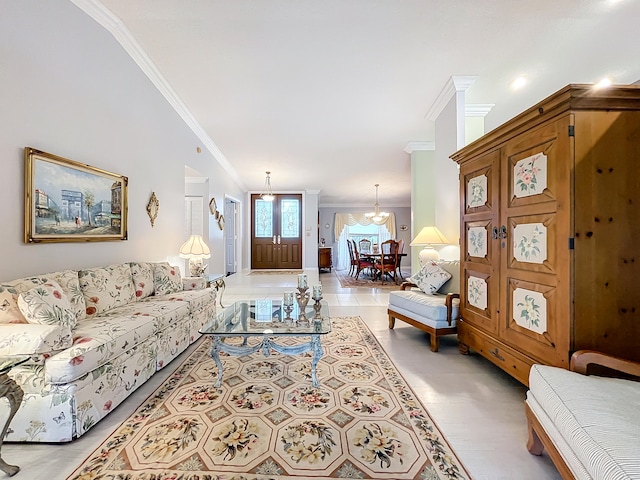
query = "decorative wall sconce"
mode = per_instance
[
  {"x": 152, "y": 208},
  {"x": 213, "y": 207}
]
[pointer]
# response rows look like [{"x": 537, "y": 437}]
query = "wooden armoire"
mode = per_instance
[{"x": 550, "y": 232}]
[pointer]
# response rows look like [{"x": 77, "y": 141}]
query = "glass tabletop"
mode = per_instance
[
  {"x": 7, "y": 362},
  {"x": 268, "y": 317}
]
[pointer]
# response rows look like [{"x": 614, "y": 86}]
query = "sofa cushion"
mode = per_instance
[
  {"x": 594, "y": 416},
  {"x": 195, "y": 299},
  {"x": 9, "y": 310},
  {"x": 166, "y": 278},
  {"x": 142, "y": 274},
  {"x": 34, "y": 339},
  {"x": 106, "y": 288},
  {"x": 47, "y": 304},
  {"x": 417, "y": 303},
  {"x": 430, "y": 277}
]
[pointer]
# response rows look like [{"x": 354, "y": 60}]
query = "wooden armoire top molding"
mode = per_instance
[{"x": 573, "y": 97}]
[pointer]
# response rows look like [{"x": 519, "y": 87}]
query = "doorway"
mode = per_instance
[
  {"x": 276, "y": 232},
  {"x": 230, "y": 239}
]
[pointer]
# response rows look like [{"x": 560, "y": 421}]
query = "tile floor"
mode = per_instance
[{"x": 478, "y": 408}]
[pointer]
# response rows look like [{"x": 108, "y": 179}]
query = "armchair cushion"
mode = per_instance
[
  {"x": 47, "y": 304},
  {"x": 430, "y": 278}
]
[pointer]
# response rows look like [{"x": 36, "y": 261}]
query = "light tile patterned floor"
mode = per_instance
[{"x": 479, "y": 408}]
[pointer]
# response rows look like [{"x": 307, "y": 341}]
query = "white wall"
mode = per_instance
[{"x": 68, "y": 88}]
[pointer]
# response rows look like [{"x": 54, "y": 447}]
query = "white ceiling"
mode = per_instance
[{"x": 326, "y": 94}]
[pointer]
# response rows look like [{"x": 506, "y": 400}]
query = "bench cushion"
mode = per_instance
[
  {"x": 416, "y": 304},
  {"x": 599, "y": 417}
]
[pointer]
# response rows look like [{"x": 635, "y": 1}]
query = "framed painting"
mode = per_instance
[{"x": 68, "y": 201}]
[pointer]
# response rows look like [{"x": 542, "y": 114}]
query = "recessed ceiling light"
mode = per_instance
[
  {"x": 518, "y": 83},
  {"x": 605, "y": 82}
]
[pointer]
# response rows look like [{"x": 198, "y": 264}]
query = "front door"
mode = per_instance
[{"x": 276, "y": 232}]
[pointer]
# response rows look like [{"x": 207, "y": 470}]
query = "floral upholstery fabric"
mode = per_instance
[
  {"x": 166, "y": 278},
  {"x": 106, "y": 288},
  {"x": 76, "y": 377},
  {"x": 9, "y": 311},
  {"x": 34, "y": 339},
  {"x": 430, "y": 278},
  {"x": 47, "y": 304},
  {"x": 142, "y": 274},
  {"x": 68, "y": 281}
]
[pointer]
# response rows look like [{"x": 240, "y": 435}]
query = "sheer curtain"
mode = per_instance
[{"x": 386, "y": 230}]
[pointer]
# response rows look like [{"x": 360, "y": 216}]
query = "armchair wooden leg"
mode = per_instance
[
  {"x": 392, "y": 322},
  {"x": 435, "y": 342}
]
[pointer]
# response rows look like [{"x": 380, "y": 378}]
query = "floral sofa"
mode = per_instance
[{"x": 92, "y": 337}]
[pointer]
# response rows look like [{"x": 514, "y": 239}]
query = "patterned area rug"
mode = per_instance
[
  {"x": 366, "y": 281},
  {"x": 269, "y": 422}
]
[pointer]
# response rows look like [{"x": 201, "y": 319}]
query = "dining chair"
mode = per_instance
[
  {"x": 364, "y": 246},
  {"x": 351, "y": 245},
  {"x": 387, "y": 263},
  {"x": 361, "y": 262}
]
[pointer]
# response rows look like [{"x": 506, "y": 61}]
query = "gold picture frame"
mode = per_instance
[
  {"x": 152, "y": 208},
  {"x": 221, "y": 222},
  {"x": 69, "y": 201}
]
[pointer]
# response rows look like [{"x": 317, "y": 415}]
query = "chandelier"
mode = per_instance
[
  {"x": 376, "y": 215},
  {"x": 268, "y": 196}
]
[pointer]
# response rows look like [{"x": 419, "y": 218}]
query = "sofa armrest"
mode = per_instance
[
  {"x": 449, "y": 303},
  {"x": 582, "y": 360},
  {"x": 406, "y": 285},
  {"x": 32, "y": 339}
]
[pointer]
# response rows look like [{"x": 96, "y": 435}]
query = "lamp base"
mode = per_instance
[
  {"x": 196, "y": 269},
  {"x": 428, "y": 254}
]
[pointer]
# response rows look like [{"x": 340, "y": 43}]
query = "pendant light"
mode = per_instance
[
  {"x": 268, "y": 195},
  {"x": 376, "y": 215}
]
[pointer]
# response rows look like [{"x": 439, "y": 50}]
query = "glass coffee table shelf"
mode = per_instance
[{"x": 270, "y": 320}]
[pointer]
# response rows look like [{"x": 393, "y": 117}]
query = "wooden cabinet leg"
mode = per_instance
[{"x": 463, "y": 348}]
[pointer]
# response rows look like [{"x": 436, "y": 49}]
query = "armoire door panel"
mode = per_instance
[
  {"x": 533, "y": 243},
  {"x": 478, "y": 241},
  {"x": 531, "y": 320},
  {"x": 533, "y": 175},
  {"x": 478, "y": 301},
  {"x": 480, "y": 184}
]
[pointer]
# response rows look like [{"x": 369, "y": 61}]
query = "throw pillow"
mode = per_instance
[
  {"x": 166, "y": 278},
  {"x": 142, "y": 274},
  {"x": 9, "y": 311},
  {"x": 48, "y": 305},
  {"x": 430, "y": 278}
]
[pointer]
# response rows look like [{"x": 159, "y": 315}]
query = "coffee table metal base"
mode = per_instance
[
  {"x": 10, "y": 390},
  {"x": 266, "y": 345}
]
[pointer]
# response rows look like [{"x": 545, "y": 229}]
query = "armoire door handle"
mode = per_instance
[{"x": 494, "y": 233}]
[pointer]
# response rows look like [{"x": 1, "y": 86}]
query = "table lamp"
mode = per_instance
[
  {"x": 428, "y": 237},
  {"x": 195, "y": 250}
]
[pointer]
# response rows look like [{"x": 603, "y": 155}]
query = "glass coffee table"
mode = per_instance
[
  {"x": 10, "y": 390},
  {"x": 270, "y": 320}
]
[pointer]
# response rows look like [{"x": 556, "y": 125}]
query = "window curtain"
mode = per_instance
[{"x": 386, "y": 230}]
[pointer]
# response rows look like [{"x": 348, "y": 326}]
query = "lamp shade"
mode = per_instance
[
  {"x": 195, "y": 248},
  {"x": 429, "y": 236}
]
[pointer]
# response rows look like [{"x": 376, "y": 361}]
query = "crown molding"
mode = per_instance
[
  {"x": 419, "y": 146},
  {"x": 478, "y": 109},
  {"x": 114, "y": 25},
  {"x": 455, "y": 84}
]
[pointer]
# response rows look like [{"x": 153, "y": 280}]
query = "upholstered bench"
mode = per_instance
[
  {"x": 589, "y": 425},
  {"x": 429, "y": 300}
]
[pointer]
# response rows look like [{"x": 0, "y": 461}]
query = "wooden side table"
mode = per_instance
[{"x": 10, "y": 390}]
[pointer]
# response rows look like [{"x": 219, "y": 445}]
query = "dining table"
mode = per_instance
[{"x": 376, "y": 255}]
